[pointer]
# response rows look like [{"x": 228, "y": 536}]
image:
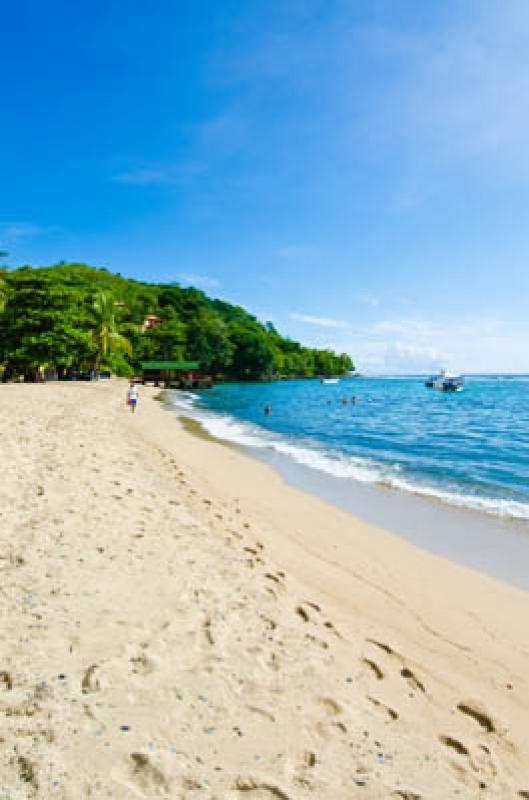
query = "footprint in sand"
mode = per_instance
[
  {"x": 301, "y": 612},
  {"x": 477, "y": 712},
  {"x": 485, "y": 762},
  {"x": 331, "y": 707},
  {"x": 320, "y": 643},
  {"x": 6, "y": 680},
  {"x": 258, "y": 790},
  {"x": 90, "y": 681},
  {"x": 206, "y": 627},
  {"x": 482, "y": 766},
  {"x": 142, "y": 665},
  {"x": 331, "y": 627},
  {"x": 390, "y": 713},
  {"x": 27, "y": 773},
  {"x": 409, "y": 676},
  {"x": 412, "y": 680},
  {"x": 333, "y": 712},
  {"x": 382, "y": 646},
  {"x": 303, "y": 773},
  {"x": 455, "y": 744},
  {"x": 262, "y": 712},
  {"x": 374, "y": 668},
  {"x": 146, "y": 775},
  {"x": 276, "y": 578}
]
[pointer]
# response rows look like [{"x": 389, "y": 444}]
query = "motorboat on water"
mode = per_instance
[
  {"x": 445, "y": 382},
  {"x": 329, "y": 380},
  {"x": 451, "y": 383}
]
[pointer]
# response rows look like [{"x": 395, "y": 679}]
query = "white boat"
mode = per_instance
[
  {"x": 329, "y": 380},
  {"x": 446, "y": 382}
]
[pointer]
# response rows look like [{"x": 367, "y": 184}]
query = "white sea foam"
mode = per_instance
[
  {"x": 245, "y": 433},
  {"x": 500, "y": 507},
  {"x": 233, "y": 430},
  {"x": 340, "y": 465},
  {"x": 185, "y": 400}
]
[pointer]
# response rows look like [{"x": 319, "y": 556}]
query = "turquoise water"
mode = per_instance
[{"x": 468, "y": 449}]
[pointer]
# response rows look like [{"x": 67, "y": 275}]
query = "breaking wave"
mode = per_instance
[{"x": 338, "y": 464}]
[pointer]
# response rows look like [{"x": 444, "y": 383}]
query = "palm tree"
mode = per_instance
[
  {"x": 3, "y": 284},
  {"x": 106, "y": 335}
]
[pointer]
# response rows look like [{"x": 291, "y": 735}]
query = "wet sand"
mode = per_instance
[
  {"x": 179, "y": 622},
  {"x": 497, "y": 546}
]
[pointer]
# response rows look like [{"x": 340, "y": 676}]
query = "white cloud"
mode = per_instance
[
  {"x": 458, "y": 91},
  {"x": 11, "y": 232},
  {"x": 409, "y": 327},
  {"x": 204, "y": 281},
  {"x": 449, "y": 90},
  {"x": 323, "y": 322},
  {"x": 151, "y": 174},
  {"x": 402, "y": 357},
  {"x": 469, "y": 344}
]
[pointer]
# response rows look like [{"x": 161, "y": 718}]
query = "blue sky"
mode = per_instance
[{"x": 357, "y": 172}]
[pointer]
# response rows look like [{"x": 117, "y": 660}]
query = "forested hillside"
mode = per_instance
[{"x": 76, "y": 317}]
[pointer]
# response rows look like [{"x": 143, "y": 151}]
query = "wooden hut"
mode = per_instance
[{"x": 178, "y": 374}]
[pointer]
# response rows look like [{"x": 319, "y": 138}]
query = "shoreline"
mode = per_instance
[
  {"x": 367, "y": 446},
  {"x": 174, "y": 611},
  {"x": 493, "y": 545}
]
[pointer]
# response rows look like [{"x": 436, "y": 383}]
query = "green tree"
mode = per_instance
[
  {"x": 106, "y": 337},
  {"x": 253, "y": 356},
  {"x": 76, "y": 316},
  {"x": 209, "y": 342},
  {"x": 41, "y": 324},
  {"x": 3, "y": 287},
  {"x": 165, "y": 341}
]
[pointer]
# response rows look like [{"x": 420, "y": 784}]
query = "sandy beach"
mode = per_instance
[{"x": 179, "y": 622}]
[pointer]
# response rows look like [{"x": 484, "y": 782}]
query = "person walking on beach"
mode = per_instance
[{"x": 132, "y": 397}]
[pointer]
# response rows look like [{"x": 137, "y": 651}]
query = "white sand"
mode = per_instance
[{"x": 255, "y": 642}]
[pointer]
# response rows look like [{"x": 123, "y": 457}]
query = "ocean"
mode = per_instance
[{"x": 469, "y": 449}]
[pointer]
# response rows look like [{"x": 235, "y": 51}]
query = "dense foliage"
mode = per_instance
[{"x": 75, "y": 317}]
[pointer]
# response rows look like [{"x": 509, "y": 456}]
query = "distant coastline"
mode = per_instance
[{"x": 72, "y": 319}]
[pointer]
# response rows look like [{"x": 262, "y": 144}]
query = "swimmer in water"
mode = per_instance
[
  {"x": 267, "y": 410},
  {"x": 344, "y": 401}
]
